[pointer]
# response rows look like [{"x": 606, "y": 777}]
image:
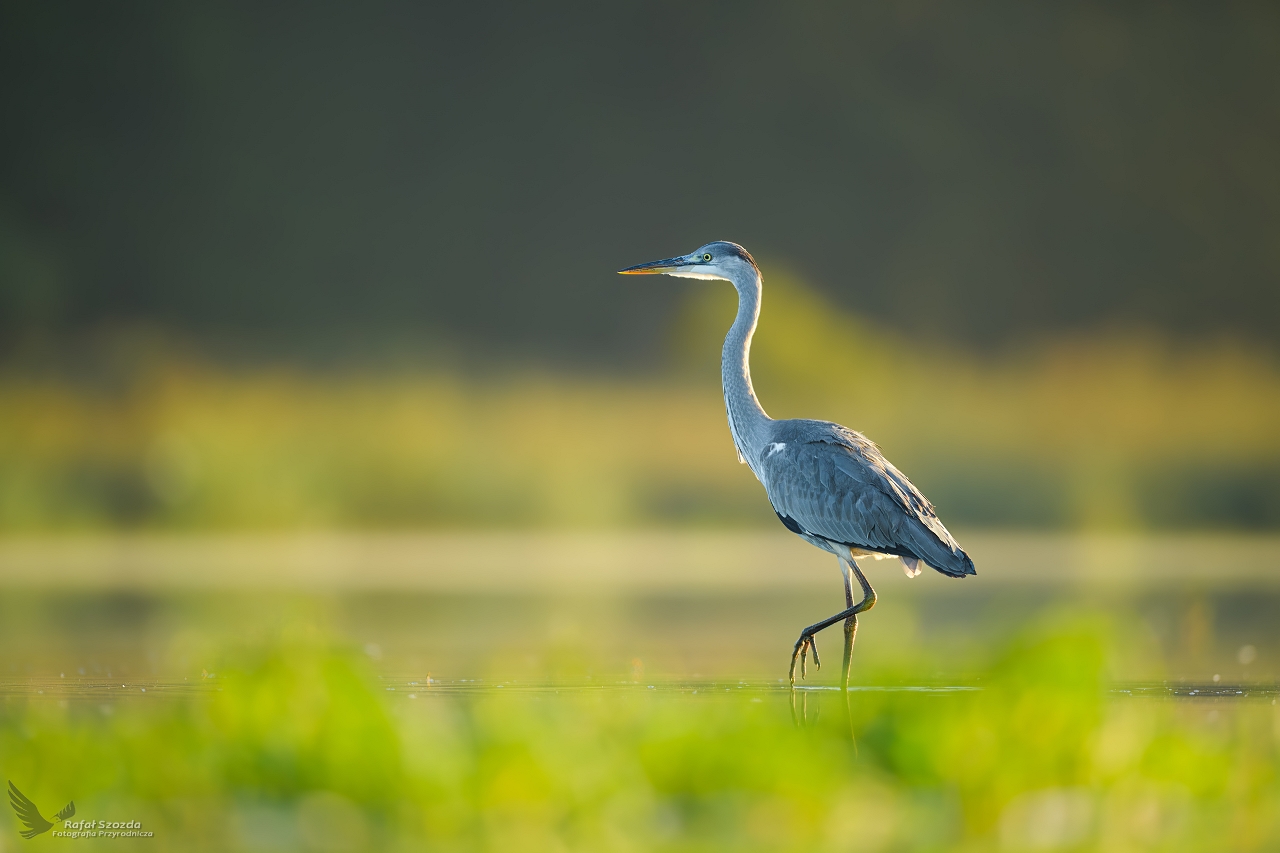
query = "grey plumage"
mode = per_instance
[{"x": 828, "y": 484}]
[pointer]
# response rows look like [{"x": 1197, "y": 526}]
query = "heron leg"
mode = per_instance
[
  {"x": 850, "y": 629},
  {"x": 806, "y": 641}
]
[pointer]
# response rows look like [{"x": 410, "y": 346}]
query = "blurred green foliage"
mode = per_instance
[
  {"x": 299, "y": 745},
  {"x": 1101, "y": 433}
]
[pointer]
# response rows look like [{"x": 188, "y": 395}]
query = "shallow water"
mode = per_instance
[{"x": 1068, "y": 712}]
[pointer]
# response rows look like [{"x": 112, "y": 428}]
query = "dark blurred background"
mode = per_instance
[
  {"x": 325, "y": 177},
  {"x": 321, "y": 264}
]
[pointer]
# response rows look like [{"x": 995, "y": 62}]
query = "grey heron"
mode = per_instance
[{"x": 828, "y": 484}]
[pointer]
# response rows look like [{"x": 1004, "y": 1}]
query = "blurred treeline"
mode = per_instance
[
  {"x": 269, "y": 265},
  {"x": 1103, "y": 432},
  {"x": 329, "y": 178}
]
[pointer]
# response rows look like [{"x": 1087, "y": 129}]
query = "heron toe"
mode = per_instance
[{"x": 804, "y": 645}]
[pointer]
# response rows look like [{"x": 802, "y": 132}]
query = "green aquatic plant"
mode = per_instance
[{"x": 299, "y": 742}]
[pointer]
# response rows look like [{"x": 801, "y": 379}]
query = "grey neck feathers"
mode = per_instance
[{"x": 747, "y": 419}]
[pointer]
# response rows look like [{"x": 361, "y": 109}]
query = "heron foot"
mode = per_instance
[{"x": 807, "y": 643}]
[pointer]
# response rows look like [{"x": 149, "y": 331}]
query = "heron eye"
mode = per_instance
[{"x": 707, "y": 256}]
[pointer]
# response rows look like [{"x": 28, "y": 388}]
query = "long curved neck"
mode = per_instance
[{"x": 747, "y": 419}]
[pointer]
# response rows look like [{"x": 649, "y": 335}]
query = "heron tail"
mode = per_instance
[
  {"x": 953, "y": 564},
  {"x": 935, "y": 545}
]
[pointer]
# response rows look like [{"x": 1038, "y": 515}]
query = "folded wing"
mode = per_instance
[{"x": 835, "y": 484}]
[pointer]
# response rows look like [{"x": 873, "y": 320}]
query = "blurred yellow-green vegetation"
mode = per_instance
[
  {"x": 294, "y": 740},
  {"x": 1113, "y": 431}
]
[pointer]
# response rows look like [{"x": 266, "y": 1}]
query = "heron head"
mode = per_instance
[{"x": 718, "y": 260}]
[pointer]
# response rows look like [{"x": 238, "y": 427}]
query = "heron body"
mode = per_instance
[{"x": 828, "y": 484}]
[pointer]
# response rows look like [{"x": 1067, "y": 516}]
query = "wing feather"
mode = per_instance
[{"x": 837, "y": 485}]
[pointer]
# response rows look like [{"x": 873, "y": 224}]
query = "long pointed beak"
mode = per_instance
[{"x": 653, "y": 267}]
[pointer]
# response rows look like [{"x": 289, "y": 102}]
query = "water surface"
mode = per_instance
[{"x": 1072, "y": 709}]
